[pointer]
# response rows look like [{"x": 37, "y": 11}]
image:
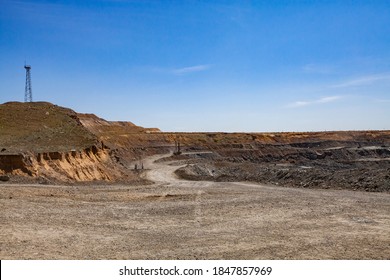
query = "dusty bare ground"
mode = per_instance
[{"x": 177, "y": 219}]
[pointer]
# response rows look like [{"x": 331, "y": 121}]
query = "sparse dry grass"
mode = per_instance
[{"x": 41, "y": 126}]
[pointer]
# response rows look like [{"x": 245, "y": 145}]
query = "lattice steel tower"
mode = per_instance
[{"x": 27, "y": 89}]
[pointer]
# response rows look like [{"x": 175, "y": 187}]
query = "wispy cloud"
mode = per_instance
[
  {"x": 191, "y": 69},
  {"x": 328, "y": 99},
  {"x": 364, "y": 80},
  {"x": 322, "y": 100},
  {"x": 176, "y": 71}
]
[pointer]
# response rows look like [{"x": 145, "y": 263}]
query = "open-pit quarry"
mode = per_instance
[{"x": 69, "y": 189}]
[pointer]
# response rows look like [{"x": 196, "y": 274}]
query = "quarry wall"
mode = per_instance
[{"x": 85, "y": 165}]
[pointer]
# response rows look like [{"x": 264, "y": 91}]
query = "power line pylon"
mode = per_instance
[{"x": 27, "y": 89}]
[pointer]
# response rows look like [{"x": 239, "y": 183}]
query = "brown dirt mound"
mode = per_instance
[{"x": 41, "y": 127}]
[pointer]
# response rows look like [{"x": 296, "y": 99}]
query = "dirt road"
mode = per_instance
[
  {"x": 161, "y": 173},
  {"x": 175, "y": 219}
]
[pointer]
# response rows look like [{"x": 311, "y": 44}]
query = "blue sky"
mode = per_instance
[{"x": 249, "y": 66}]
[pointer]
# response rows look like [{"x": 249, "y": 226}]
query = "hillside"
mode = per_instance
[
  {"x": 46, "y": 142},
  {"x": 41, "y": 127},
  {"x": 44, "y": 127}
]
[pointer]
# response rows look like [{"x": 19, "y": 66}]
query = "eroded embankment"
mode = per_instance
[{"x": 74, "y": 166}]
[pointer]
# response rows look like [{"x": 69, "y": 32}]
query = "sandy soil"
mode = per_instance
[{"x": 177, "y": 219}]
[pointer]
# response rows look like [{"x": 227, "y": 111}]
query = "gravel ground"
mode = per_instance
[{"x": 177, "y": 219}]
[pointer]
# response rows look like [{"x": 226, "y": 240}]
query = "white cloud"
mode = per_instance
[
  {"x": 299, "y": 104},
  {"x": 328, "y": 99},
  {"x": 322, "y": 100},
  {"x": 176, "y": 71},
  {"x": 191, "y": 69},
  {"x": 364, "y": 80}
]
